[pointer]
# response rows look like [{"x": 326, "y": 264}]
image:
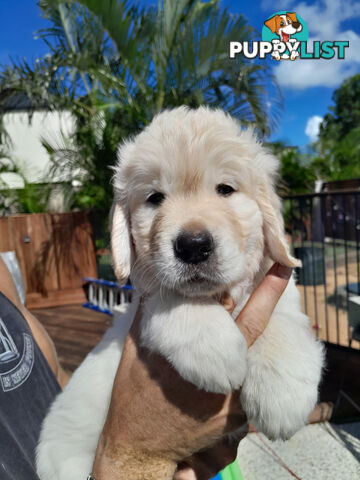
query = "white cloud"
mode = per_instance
[
  {"x": 303, "y": 74},
  {"x": 312, "y": 127},
  {"x": 324, "y": 19}
]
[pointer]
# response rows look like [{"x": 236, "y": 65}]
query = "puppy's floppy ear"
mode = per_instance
[
  {"x": 271, "y": 23},
  {"x": 292, "y": 16},
  {"x": 121, "y": 242},
  {"x": 273, "y": 226}
]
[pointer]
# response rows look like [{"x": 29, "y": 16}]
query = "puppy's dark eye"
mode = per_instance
[
  {"x": 156, "y": 198},
  {"x": 224, "y": 190},
  {"x": 282, "y": 24}
]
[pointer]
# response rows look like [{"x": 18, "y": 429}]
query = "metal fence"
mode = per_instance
[
  {"x": 325, "y": 235},
  {"x": 103, "y": 295}
]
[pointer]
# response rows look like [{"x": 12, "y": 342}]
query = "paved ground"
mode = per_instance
[{"x": 317, "y": 452}]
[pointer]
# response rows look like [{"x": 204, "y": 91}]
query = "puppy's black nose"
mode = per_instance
[
  {"x": 296, "y": 24},
  {"x": 193, "y": 247}
]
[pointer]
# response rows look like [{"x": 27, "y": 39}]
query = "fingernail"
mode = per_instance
[{"x": 283, "y": 272}]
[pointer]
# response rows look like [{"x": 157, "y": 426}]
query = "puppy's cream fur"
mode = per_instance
[{"x": 185, "y": 154}]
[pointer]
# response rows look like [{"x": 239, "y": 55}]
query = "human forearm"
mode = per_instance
[{"x": 165, "y": 419}]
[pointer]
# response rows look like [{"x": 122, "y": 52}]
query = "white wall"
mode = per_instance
[{"x": 26, "y": 146}]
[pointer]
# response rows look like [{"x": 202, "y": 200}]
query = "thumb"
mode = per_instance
[{"x": 255, "y": 316}]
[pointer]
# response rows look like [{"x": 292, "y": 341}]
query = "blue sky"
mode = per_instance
[{"x": 307, "y": 85}]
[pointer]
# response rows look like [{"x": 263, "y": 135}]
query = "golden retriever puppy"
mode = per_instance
[{"x": 195, "y": 215}]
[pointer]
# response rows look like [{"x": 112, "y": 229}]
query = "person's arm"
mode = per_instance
[
  {"x": 8, "y": 288},
  {"x": 156, "y": 419}
]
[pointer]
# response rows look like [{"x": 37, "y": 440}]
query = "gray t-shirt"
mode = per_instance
[{"x": 27, "y": 389}]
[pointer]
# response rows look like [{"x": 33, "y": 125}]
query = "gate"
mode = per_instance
[{"x": 325, "y": 235}]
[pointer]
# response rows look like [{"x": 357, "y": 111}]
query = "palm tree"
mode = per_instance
[{"x": 114, "y": 65}]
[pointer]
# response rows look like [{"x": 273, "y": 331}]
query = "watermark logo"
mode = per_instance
[
  {"x": 285, "y": 36},
  {"x": 285, "y": 30}
]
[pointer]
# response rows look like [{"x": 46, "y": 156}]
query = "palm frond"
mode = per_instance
[{"x": 113, "y": 64}]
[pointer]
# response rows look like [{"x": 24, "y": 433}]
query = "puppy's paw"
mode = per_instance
[
  {"x": 281, "y": 386},
  {"x": 200, "y": 339},
  {"x": 216, "y": 360},
  {"x": 276, "y": 55},
  {"x": 278, "y": 406}
]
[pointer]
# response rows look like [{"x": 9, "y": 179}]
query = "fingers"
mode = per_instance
[
  {"x": 321, "y": 413},
  {"x": 256, "y": 314},
  {"x": 185, "y": 472}
]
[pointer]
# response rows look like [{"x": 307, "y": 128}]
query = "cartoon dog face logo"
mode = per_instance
[{"x": 284, "y": 25}]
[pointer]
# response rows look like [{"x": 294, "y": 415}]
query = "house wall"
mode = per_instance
[{"x": 26, "y": 148}]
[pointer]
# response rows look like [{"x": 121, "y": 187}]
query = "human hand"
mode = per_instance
[{"x": 156, "y": 419}]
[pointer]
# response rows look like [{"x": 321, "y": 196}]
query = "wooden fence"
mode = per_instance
[{"x": 55, "y": 252}]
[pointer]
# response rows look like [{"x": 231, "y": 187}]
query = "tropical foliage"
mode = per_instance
[
  {"x": 336, "y": 153},
  {"x": 114, "y": 65},
  {"x": 30, "y": 198},
  {"x": 296, "y": 172},
  {"x": 338, "y": 148}
]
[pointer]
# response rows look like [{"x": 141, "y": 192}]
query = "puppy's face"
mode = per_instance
[
  {"x": 187, "y": 195},
  {"x": 194, "y": 227}
]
